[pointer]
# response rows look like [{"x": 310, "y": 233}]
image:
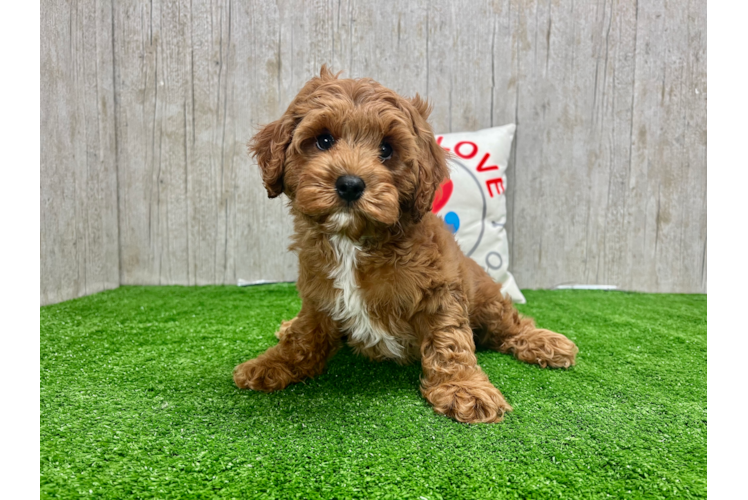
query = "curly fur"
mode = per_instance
[{"x": 383, "y": 271}]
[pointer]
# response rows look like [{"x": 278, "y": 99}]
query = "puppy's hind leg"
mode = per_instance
[{"x": 497, "y": 325}]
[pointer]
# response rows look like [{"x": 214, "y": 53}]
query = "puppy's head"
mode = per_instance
[{"x": 351, "y": 154}]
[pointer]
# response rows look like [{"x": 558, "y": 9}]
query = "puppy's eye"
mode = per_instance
[
  {"x": 325, "y": 142},
  {"x": 385, "y": 151}
]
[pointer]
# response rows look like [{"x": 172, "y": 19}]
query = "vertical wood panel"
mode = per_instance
[
  {"x": 79, "y": 232},
  {"x": 385, "y": 41},
  {"x": 262, "y": 225},
  {"x": 668, "y": 185},
  {"x": 151, "y": 46}
]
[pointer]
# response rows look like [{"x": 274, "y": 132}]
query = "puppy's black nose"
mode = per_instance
[{"x": 350, "y": 187}]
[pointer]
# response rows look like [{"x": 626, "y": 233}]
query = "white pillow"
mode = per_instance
[{"x": 472, "y": 202}]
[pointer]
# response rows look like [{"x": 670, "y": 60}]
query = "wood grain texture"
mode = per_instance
[
  {"x": 79, "y": 231},
  {"x": 611, "y": 147},
  {"x": 607, "y": 181}
]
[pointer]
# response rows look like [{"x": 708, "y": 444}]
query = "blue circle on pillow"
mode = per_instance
[{"x": 453, "y": 221}]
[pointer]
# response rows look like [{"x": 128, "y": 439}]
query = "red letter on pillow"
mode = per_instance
[
  {"x": 482, "y": 168},
  {"x": 467, "y": 156},
  {"x": 496, "y": 182}
]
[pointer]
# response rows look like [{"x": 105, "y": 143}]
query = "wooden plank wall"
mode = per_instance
[
  {"x": 79, "y": 228},
  {"x": 607, "y": 182}
]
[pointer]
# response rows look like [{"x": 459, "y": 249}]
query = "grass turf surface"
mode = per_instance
[{"x": 137, "y": 401}]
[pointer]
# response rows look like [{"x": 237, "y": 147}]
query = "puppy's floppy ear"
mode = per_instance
[
  {"x": 268, "y": 146},
  {"x": 431, "y": 163}
]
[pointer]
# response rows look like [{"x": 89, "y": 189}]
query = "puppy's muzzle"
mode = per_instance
[{"x": 350, "y": 187}]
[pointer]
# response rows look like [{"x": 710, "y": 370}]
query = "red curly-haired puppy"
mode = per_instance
[{"x": 360, "y": 167}]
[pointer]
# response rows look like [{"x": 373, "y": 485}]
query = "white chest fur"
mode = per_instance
[{"x": 349, "y": 308}]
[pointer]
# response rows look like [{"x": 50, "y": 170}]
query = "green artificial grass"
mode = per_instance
[{"x": 137, "y": 401}]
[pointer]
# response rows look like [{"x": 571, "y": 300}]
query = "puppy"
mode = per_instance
[{"x": 360, "y": 167}]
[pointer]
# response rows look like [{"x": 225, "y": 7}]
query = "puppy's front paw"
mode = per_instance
[
  {"x": 469, "y": 401},
  {"x": 545, "y": 348},
  {"x": 263, "y": 376}
]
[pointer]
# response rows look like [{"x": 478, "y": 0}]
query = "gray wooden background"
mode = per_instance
[{"x": 147, "y": 108}]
